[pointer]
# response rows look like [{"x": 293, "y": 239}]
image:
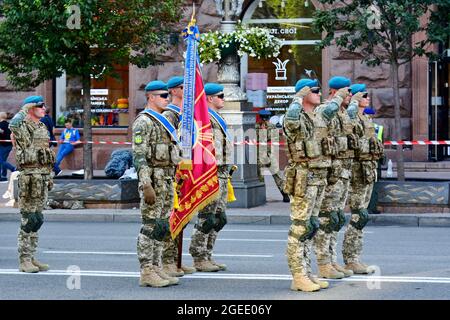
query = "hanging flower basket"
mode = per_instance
[{"x": 257, "y": 42}]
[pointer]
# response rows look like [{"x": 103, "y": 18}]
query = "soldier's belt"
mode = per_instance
[{"x": 30, "y": 166}]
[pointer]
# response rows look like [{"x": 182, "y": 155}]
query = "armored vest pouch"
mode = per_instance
[
  {"x": 27, "y": 156},
  {"x": 353, "y": 141},
  {"x": 297, "y": 150},
  {"x": 329, "y": 146},
  {"x": 175, "y": 155},
  {"x": 364, "y": 146},
  {"x": 161, "y": 155},
  {"x": 289, "y": 184},
  {"x": 368, "y": 172},
  {"x": 375, "y": 148},
  {"x": 313, "y": 149},
  {"x": 341, "y": 143}
]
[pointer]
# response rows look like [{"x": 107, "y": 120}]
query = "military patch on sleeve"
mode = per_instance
[{"x": 137, "y": 139}]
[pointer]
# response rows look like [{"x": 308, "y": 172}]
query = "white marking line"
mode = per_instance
[
  {"x": 134, "y": 253},
  {"x": 247, "y": 240},
  {"x": 233, "y": 276}
]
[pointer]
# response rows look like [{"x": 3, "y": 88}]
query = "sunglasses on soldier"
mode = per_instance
[
  {"x": 40, "y": 105},
  {"x": 315, "y": 90},
  {"x": 163, "y": 95},
  {"x": 220, "y": 96},
  {"x": 365, "y": 95}
]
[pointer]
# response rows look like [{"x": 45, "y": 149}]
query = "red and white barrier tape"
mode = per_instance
[{"x": 254, "y": 142}]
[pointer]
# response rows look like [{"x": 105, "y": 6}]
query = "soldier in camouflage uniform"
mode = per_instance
[
  {"x": 331, "y": 216},
  {"x": 212, "y": 218},
  {"x": 35, "y": 161},
  {"x": 309, "y": 153},
  {"x": 173, "y": 114},
  {"x": 364, "y": 175},
  {"x": 155, "y": 155},
  {"x": 266, "y": 132}
]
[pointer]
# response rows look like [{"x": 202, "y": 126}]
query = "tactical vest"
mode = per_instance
[
  {"x": 313, "y": 143},
  {"x": 36, "y": 152},
  {"x": 164, "y": 152},
  {"x": 370, "y": 148},
  {"x": 346, "y": 140},
  {"x": 222, "y": 145}
]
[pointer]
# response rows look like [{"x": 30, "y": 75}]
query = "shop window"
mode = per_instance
[
  {"x": 109, "y": 100},
  {"x": 289, "y": 20}
]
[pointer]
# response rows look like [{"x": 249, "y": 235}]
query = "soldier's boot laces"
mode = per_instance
[
  {"x": 187, "y": 269},
  {"x": 316, "y": 280},
  {"x": 346, "y": 272},
  {"x": 205, "y": 266},
  {"x": 172, "y": 270},
  {"x": 149, "y": 278},
  {"x": 222, "y": 266},
  {"x": 329, "y": 272},
  {"x": 165, "y": 276},
  {"x": 303, "y": 283},
  {"x": 40, "y": 265},
  {"x": 358, "y": 268},
  {"x": 25, "y": 265}
]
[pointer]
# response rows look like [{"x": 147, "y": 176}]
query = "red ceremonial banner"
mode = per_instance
[{"x": 201, "y": 186}]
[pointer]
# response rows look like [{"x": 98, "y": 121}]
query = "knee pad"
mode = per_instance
[
  {"x": 341, "y": 223},
  {"x": 206, "y": 225},
  {"x": 33, "y": 224},
  {"x": 314, "y": 223},
  {"x": 311, "y": 226},
  {"x": 161, "y": 229},
  {"x": 362, "y": 220},
  {"x": 39, "y": 221},
  {"x": 332, "y": 223},
  {"x": 221, "y": 221}
]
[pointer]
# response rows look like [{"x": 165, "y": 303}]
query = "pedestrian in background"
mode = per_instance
[
  {"x": 47, "y": 120},
  {"x": 5, "y": 147}
]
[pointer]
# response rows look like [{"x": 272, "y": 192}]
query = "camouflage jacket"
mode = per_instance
[
  {"x": 370, "y": 148},
  {"x": 33, "y": 154},
  {"x": 222, "y": 145},
  {"x": 152, "y": 147}
]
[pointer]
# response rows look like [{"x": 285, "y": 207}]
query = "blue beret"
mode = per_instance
[
  {"x": 175, "y": 82},
  {"x": 368, "y": 110},
  {"x": 33, "y": 99},
  {"x": 358, "y": 87},
  {"x": 305, "y": 83},
  {"x": 213, "y": 88},
  {"x": 156, "y": 85},
  {"x": 264, "y": 113},
  {"x": 339, "y": 83}
]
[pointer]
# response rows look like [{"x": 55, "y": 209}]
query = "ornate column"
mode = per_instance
[{"x": 250, "y": 192}]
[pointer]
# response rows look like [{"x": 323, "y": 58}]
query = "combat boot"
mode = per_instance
[
  {"x": 222, "y": 266},
  {"x": 165, "y": 276},
  {"x": 357, "y": 268},
  {"x": 205, "y": 266},
  {"x": 346, "y": 272},
  {"x": 172, "y": 270},
  {"x": 327, "y": 271},
  {"x": 40, "y": 265},
  {"x": 303, "y": 283},
  {"x": 149, "y": 278},
  {"x": 187, "y": 269},
  {"x": 321, "y": 283},
  {"x": 25, "y": 265}
]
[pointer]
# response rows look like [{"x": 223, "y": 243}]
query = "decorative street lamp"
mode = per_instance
[{"x": 228, "y": 72}]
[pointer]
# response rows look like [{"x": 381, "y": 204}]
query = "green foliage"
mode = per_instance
[
  {"x": 350, "y": 25},
  {"x": 36, "y": 43}
]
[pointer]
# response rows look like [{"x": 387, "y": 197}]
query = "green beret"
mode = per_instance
[
  {"x": 175, "y": 82},
  {"x": 156, "y": 85},
  {"x": 339, "y": 83},
  {"x": 213, "y": 88}
]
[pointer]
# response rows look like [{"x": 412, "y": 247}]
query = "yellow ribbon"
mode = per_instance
[
  {"x": 176, "y": 204},
  {"x": 231, "y": 196}
]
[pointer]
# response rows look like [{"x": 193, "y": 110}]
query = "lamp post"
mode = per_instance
[{"x": 228, "y": 73}]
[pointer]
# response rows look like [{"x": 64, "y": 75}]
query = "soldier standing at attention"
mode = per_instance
[
  {"x": 309, "y": 154},
  {"x": 35, "y": 161},
  {"x": 265, "y": 131},
  {"x": 155, "y": 155},
  {"x": 173, "y": 114},
  {"x": 331, "y": 216},
  {"x": 212, "y": 218},
  {"x": 364, "y": 175}
]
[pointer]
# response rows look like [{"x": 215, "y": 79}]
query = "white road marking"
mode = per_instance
[
  {"x": 134, "y": 253},
  {"x": 232, "y": 276},
  {"x": 246, "y": 240}
]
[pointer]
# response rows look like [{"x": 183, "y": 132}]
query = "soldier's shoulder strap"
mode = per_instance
[{"x": 171, "y": 130}]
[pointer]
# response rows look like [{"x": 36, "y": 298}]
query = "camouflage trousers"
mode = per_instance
[
  {"x": 33, "y": 193},
  {"x": 170, "y": 251},
  {"x": 306, "y": 201},
  {"x": 149, "y": 250},
  {"x": 360, "y": 193},
  {"x": 202, "y": 244},
  {"x": 325, "y": 241},
  {"x": 274, "y": 170}
]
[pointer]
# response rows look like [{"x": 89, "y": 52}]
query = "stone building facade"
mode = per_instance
[{"x": 414, "y": 80}]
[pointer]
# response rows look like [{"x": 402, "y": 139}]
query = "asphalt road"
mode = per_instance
[{"x": 412, "y": 263}]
